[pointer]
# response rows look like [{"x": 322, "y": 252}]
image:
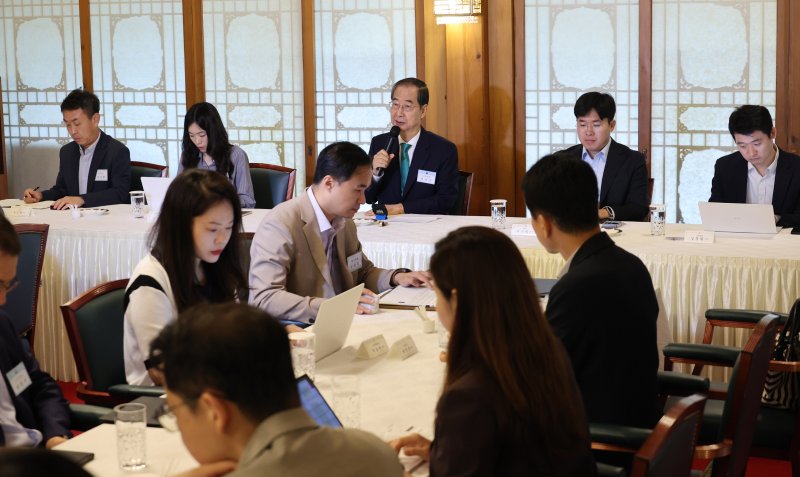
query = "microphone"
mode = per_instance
[
  {"x": 380, "y": 211},
  {"x": 393, "y": 133}
]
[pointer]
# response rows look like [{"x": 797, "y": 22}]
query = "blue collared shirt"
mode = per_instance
[{"x": 598, "y": 164}]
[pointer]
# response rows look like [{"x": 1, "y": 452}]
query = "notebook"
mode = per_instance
[
  {"x": 155, "y": 188},
  {"x": 315, "y": 404},
  {"x": 407, "y": 298},
  {"x": 739, "y": 218},
  {"x": 333, "y": 321}
]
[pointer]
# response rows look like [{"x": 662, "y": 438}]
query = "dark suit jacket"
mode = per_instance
[
  {"x": 41, "y": 406},
  {"x": 604, "y": 310},
  {"x": 472, "y": 438},
  {"x": 625, "y": 182},
  {"x": 730, "y": 185},
  {"x": 433, "y": 153},
  {"x": 109, "y": 154}
]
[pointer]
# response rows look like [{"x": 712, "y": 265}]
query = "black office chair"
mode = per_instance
[
  {"x": 271, "y": 184},
  {"x": 145, "y": 169},
  {"x": 461, "y": 206},
  {"x": 21, "y": 304}
]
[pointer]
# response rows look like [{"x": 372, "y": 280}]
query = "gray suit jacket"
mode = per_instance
[
  {"x": 287, "y": 260},
  {"x": 290, "y": 443}
]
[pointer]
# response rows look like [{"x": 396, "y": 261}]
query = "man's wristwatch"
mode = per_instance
[{"x": 392, "y": 281}]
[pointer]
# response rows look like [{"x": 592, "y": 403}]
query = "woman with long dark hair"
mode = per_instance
[
  {"x": 510, "y": 404},
  {"x": 206, "y": 146},
  {"x": 194, "y": 258}
]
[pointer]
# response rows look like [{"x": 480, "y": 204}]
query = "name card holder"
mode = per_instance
[
  {"x": 372, "y": 347},
  {"x": 698, "y": 236},
  {"x": 403, "y": 348},
  {"x": 18, "y": 212},
  {"x": 522, "y": 229}
]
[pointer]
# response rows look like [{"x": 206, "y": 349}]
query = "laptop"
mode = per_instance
[
  {"x": 155, "y": 188},
  {"x": 739, "y": 218},
  {"x": 544, "y": 285},
  {"x": 333, "y": 321},
  {"x": 315, "y": 404}
]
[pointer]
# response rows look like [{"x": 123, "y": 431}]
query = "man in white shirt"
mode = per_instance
[{"x": 759, "y": 172}]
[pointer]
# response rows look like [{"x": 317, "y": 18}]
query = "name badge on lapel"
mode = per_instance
[
  {"x": 426, "y": 177},
  {"x": 354, "y": 262},
  {"x": 102, "y": 175},
  {"x": 19, "y": 379}
]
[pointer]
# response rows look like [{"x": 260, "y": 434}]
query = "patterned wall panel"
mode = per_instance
[
  {"x": 572, "y": 47},
  {"x": 362, "y": 47},
  {"x": 708, "y": 58},
  {"x": 254, "y": 76},
  {"x": 39, "y": 64},
  {"x": 139, "y": 75}
]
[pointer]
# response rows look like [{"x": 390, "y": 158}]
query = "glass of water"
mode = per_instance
[
  {"x": 303, "y": 359},
  {"x": 131, "y": 422},
  {"x": 498, "y": 207},
  {"x": 137, "y": 204},
  {"x": 347, "y": 399},
  {"x": 658, "y": 216}
]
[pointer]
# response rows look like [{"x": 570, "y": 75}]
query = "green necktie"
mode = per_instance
[{"x": 404, "y": 165}]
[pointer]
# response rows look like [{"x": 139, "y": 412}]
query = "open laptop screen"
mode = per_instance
[{"x": 314, "y": 403}]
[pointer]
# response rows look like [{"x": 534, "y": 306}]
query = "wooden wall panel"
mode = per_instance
[
  {"x": 787, "y": 110},
  {"x": 193, "y": 51}
]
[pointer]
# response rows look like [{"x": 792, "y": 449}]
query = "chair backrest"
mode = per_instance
[
  {"x": 272, "y": 184},
  {"x": 145, "y": 169},
  {"x": 670, "y": 448},
  {"x": 744, "y": 393},
  {"x": 461, "y": 206},
  {"x": 94, "y": 322},
  {"x": 21, "y": 304}
]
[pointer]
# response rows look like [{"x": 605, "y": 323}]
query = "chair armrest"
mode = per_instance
[
  {"x": 624, "y": 437},
  {"x": 708, "y": 354},
  {"x": 606, "y": 470},
  {"x": 133, "y": 392},
  {"x": 85, "y": 416},
  {"x": 671, "y": 383},
  {"x": 742, "y": 316}
]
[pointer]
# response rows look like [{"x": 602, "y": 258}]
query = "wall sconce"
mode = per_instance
[{"x": 456, "y": 11}]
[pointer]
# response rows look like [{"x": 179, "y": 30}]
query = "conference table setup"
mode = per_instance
[
  {"x": 397, "y": 395},
  {"x": 733, "y": 272}
]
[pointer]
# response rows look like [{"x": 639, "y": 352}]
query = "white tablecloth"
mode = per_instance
[
  {"x": 731, "y": 273},
  {"x": 397, "y": 396}
]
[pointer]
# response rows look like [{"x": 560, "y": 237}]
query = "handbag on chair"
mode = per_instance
[{"x": 782, "y": 388}]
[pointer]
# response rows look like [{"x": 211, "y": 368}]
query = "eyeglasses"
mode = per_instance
[
  {"x": 407, "y": 108},
  {"x": 7, "y": 287},
  {"x": 166, "y": 417}
]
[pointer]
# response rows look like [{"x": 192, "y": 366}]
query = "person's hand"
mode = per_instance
[
  {"x": 413, "y": 279},
  {"x": 293, "y": 329},
  {"x": 215, "y": 469},
  {"x": 65, "y": 202},
  {"x": 54, "y": 441},
  {"x": 395, "y": 209},
  {"x": 413, "y": 444},
  {"x": 31, "y": 196},
  {"x": 367, "y": 303},
  {"x": 381, "y": 159},
  {"x": 602, "y": 214}
]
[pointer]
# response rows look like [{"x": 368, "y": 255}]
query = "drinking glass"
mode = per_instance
[
  {"x": 302, "y": 346},
  {"x": 137, "y": 204},
  {"x": 131, "y": 422},
  {"x": 498, "y": 207},
  {"x": 658, "y": 215}
]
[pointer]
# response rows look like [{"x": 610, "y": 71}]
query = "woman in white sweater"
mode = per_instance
[{"x": 194, "y": 258}]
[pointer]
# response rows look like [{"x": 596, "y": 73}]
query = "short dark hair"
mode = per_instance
[
  {"x": 235, "y": 350},
  {"x": 190, "y": 195},
  {"x": 750, "y": 118},
  {"x": 207, "y": 118},
  {"x": 81, "y": 99},
  {"x": 24, "y": 461},
  {"x": 340, "y": 160},
  {"x": 9, "y": 241},
  {"x": 564, "y": 188},
  {"x": 423, "y": 96},
  {"x": 603, "y": 103}
]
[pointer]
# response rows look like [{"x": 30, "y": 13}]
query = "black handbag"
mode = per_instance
[{"x": 782, "y": 388}]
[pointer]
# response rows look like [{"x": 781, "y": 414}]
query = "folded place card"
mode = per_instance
[
  {"x": 522, "y": 229},
  {"x": 699, "y": 236},
  {"x": 403, "y": 348},
  {"x": 372, "y": 347},
  {"x": 18, "y": 212}
]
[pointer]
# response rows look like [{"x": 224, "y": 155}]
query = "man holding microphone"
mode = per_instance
[{"x": 417, "y": 171}]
